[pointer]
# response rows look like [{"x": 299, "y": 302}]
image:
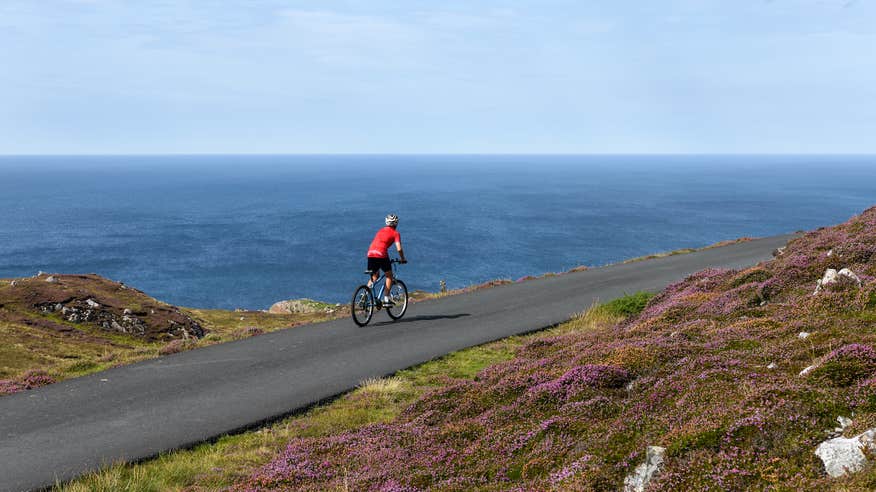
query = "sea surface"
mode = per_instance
[{"x": 246, "y": 231}]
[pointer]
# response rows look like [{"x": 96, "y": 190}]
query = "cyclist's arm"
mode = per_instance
[{"x": 401, "y": 252}]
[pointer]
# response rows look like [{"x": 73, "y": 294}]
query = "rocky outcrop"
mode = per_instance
[
  {"x": 642, "y": 475},
  {"x": 844, "y": 455},
  {"x": 56, "y": 301}
]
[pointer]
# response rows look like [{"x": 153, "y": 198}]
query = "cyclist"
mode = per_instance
[{"x": 378, "y": 254}]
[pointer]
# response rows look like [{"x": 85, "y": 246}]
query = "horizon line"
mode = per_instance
[{"x": 447, "y": 154}]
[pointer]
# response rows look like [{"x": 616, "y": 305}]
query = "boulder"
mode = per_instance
[
  {"x": 297, "y": 306},
  {"x": 642, "y": 475},
  {"x": 52, "y": 280},
  {"x": 845, "y": 272},
  {"x": 832, "y": 276},
  {"x": 844, "y": 455}
]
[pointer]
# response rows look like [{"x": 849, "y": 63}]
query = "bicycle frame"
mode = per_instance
[{"x": 378, "y": 294}]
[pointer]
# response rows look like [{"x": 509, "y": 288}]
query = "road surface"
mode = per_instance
[{"x": 134, "y": 412}]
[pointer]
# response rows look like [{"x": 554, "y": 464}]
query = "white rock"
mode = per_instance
[
  {"x": 803, "y": 334},
  {"x": 807, "y": 370},
  {"x": 772, "y": 365},
  {"x": 127, "y": 312},
  {"x": 92, "y": 304},
  {"x": 830, "y": 253},
  {"x": 638, "y": 480},
  {"x": 843, "y": 423},
  {"x": 843, "y": 455},
  {"x": 828, "y": 278},
  {"x": 13, "y": 283},
  {"x": 832, "y": 276},
  {"x": 845, "y": 272},
  {"x": 52, "y": 280}
]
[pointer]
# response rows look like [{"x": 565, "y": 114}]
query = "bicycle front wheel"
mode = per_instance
[
  {"x": 399, "y": 295},
  {"x": 362, "y": 306}
]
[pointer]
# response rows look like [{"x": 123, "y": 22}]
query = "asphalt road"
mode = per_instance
[{"x": 134, "y": 412}]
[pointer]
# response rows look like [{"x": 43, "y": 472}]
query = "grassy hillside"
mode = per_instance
[{"x": 739, "y": 375}]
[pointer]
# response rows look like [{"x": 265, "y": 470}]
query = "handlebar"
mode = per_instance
[{"x": 396, "y": 260}]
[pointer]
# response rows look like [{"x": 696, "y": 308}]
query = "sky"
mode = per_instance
[{"x": 456, "y": 76}]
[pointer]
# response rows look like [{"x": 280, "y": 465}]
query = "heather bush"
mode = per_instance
[
  {"x": 756, "y": 275},
  {"x": 249, "y": 331},
  {"x": 9, "y": 386},
  {"x": 846, "y": 365},
  {"x": 175, "y": 346},
  {"x": 28, "y": 380},
  {"x": 708, "y": 368}
]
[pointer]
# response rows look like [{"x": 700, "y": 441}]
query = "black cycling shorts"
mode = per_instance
[{"x": 375, "y": 264}]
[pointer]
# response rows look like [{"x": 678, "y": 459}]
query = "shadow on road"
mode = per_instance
[{"x": 423, "y": 317}]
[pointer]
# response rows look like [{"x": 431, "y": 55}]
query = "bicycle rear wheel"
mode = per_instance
[
  {"x": 399, "y": 295},
  {"x": 362, "y": 305}
]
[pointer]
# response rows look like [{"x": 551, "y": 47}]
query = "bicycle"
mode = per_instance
[{"x": 367, "y": 299}]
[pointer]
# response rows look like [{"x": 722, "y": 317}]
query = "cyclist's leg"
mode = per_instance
[
  {"x": 387, "y": 271},
  {"x": 388, "y": 284}
]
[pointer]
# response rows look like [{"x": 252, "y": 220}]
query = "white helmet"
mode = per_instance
[{"x": 391, "y": 220}]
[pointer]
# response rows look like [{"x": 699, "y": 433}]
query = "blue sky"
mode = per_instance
[{"x": 410, "y": 76}]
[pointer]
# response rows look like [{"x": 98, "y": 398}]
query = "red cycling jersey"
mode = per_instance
[{"x": 382, "y": 241}]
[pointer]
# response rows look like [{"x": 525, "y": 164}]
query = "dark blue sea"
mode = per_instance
[{"x": 246, "y": 231}]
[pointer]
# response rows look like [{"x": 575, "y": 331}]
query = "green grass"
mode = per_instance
[
  {"x": 628, "y": 305},
  {"x": 216, "y": 465},
  {"x": 684, "y": 251}
]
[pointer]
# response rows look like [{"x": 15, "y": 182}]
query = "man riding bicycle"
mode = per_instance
[{"x": 378, "y": 254}]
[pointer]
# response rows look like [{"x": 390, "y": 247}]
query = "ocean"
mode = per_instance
[{"x": 246, "y": 231}]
